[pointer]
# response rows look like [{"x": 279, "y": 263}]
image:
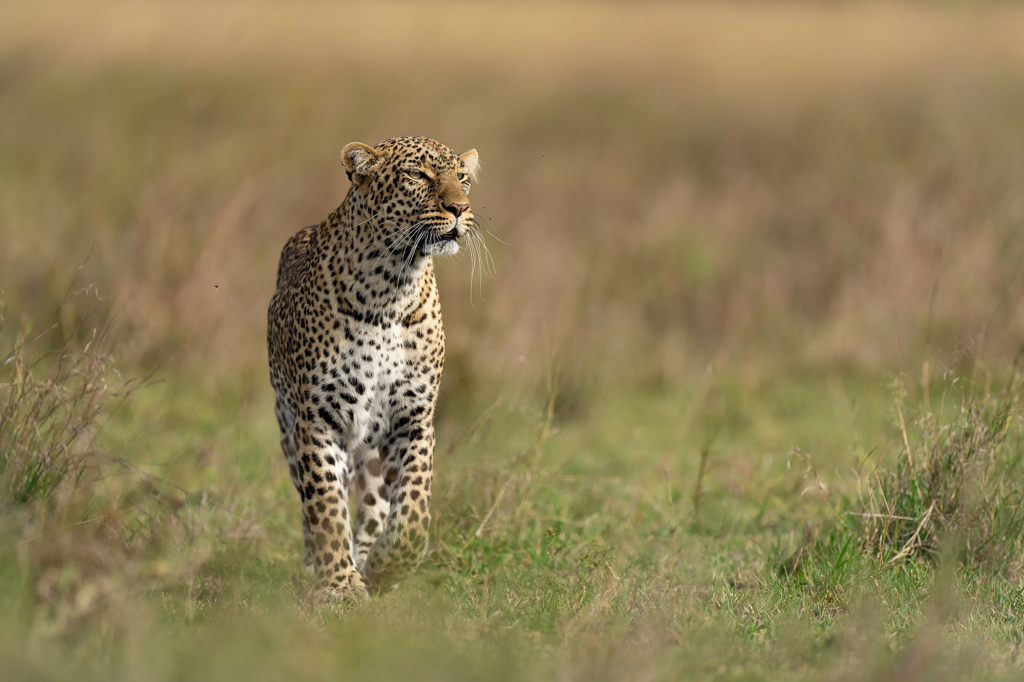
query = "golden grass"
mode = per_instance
[
  {"x": 734, "y": 45},
  {"x": 788, "y": 180}
]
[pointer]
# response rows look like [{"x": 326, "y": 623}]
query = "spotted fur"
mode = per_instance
[{"x": 356, "y": 351}]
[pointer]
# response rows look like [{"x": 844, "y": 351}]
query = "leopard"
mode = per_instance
[{"x": 356, "y": 349}]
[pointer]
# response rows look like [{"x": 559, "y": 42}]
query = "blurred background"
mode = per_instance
[{"x": 779, "y": 186}]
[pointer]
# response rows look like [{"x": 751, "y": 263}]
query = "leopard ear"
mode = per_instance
[
  {"x": 360, "y": 161},
  {"x": 472, "y": 161}
]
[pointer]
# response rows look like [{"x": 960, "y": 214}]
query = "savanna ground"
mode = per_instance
[{"x": 739, "y": 402}]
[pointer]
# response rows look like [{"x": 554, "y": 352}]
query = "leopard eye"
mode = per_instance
[
  {"x": 463, "y": 177},
  {"x": 416, "y": 175}
]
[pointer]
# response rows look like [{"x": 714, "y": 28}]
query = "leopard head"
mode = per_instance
[{"x": 416, "y": 192}]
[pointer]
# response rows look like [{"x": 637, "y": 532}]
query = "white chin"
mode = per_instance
[{"x": 445, "y": 248}]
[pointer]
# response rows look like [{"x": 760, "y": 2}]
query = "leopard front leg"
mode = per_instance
[
  {"x": 371, "y": 504},
  {"x": 407, "y": 468},
  {"x": 286, "y": 420},
  {"x": 323, "y": 468}
]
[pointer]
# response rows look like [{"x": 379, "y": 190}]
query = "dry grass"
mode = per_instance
[
  {"x": 51, "y": 397},
  {"x": 732, "y": 45},
  {"x": 852, "y": 194},
  {"x": 955, "y": 485}
]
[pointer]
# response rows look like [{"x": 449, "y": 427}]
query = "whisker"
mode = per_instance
[
  {"x": 491, "y": 270},
  {"x": 412, "y": 238},
  {"x": 400, "y": 236},
  {"x": 476, "y": 272},
  {"x": 484, "y": 268},
  {"x": 481, "y": 251},
  {"x": 404, "y": 242},
  {"x": 370, "y": 218},
  {"x": 493, "y": 235},
  {"x": 472, "y": 269},
  {"x": 389, "y": 234}
]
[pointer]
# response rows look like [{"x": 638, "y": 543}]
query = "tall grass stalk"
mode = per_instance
[
  {"x": 953, "y": 490},
  {"x": 51, "y": 397},
  {"x": 957, "y": 480}
]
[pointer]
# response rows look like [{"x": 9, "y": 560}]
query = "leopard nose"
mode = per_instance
[{"x": 456, "y": 209}]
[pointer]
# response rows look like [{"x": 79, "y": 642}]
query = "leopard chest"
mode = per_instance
[{"x": 374, "y": 380}]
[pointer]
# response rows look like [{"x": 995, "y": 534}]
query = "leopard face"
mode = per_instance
[{"x": 417, "y": 191}]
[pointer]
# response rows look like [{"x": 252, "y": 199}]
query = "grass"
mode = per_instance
[
  {"x": 961, "y": 485},
  {"x": 550, "y": 558},
  {"x": 682, "y": 435},
  {"x": 52, "y": 396}
]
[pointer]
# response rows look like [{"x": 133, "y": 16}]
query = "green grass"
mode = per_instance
[{"x": 576, "y": 554}]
